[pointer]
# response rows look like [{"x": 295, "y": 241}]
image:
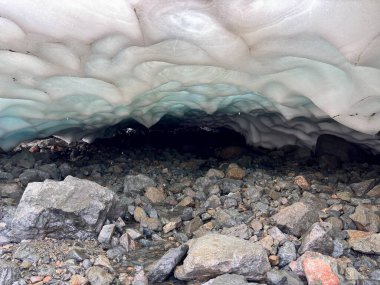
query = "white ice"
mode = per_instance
[{"x": 279, "y": 72}]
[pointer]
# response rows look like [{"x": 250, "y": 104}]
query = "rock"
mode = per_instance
[
  {"x": 10, "y": 190},
  {"x": 374, "y": 192},
  {"x": 151, "y": 223},
  {"x": 241, "y": 231},
  {"x": 127, "y": 242},
  {"x": 193, "y": 225},
  {"x": 228, "y": 279},
  {"x": 106, "y": 233},
  {"x": 318, "y": 268},
  {"x": 166, "y": 264},
  {"x": 215, "y": 173},
  {"x": 352, "y": 274},
  {"x": 78, "y": 280},
  {"x": 33, "y": 175},
  {"x": 277, "y": 234},
  {"x": 139, "y": 214},
  {"x": 135, "y": 184},
  {"x": 301, "y": 182},
  {"x": 140, "y": 277},
  {"x": 235, "y": 172},
  {"x": 27, "y": 252},
  {"x": 170, "y": 226},
  {"x": 317, "y": 239},
  {"x": 186, "y": 202},
  {"x": 133, "y": 233},
  {"x": 214, "y": 254},
  {"x": 9, "y": 273},
  {"x": 319, "y": 272},
  {"x": 213, "y": 202},
  {"x": 73, "y": 208},
  {"x": 366, "y": 217},
  {"x": 296, "y": 219},
  {"x": 361, "y": 188},
  {"x": 103, "y": 261},
  {"x": 273, "y": 260},
  {"x": 230, "y": 152},
  {"x": 98, "y": 276},
  {"x": 78, "y": 254},
  {"x": 282, "y": 277},
  {"x": 287, "y": 253},
  {"x": 155, "y": 195},
  {"x": 365, "y": 242}
]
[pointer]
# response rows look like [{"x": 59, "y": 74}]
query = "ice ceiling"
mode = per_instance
[{"x": 279, "y": 72}]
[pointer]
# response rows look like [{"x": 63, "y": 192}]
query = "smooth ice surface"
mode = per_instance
[{"x": 280, "y": 72}]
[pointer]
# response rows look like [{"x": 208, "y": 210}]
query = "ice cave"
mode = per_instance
[{"x": 277, "y": 72}]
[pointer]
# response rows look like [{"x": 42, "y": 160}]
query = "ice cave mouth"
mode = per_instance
[{"x": 75, "y": 70}]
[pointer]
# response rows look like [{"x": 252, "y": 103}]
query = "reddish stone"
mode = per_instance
[{"x": 319, "y": 272}]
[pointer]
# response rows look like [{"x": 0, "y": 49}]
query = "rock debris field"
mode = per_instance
[{"x": 104, "y": 214}]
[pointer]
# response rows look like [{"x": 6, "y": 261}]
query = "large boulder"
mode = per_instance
[
  {"x": 73, "y": 208},
  {"x": 215, "y": 254}
]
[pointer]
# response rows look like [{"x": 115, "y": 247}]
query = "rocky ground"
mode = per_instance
[{"x": 108, "y": 213}]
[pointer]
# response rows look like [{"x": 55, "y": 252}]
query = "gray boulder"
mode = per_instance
[
  {"x": 215, "y": 254},
  {"x": 73, "y": 208},
  {"x": 9, "y": 273}
]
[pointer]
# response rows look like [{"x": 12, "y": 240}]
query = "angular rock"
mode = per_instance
[
  {"x": 98, "y": 276},
  {"x": 301, "y": 182},
  {"x": 287, "y": 253},
  {"x": 214, "y": 254},
  {"x": 228, "y": 279},
  {"x": 317, "y": 239},
  {"x": 319, "y": 272},
  {"x": 106, "y": 233},
  {"x": 282, "y": 277},
  {"x": 367, "y": 217},
  {"x": 365, "y": 242},
  {"x": 241, "y": 231},
  {"x": 235, "y": 172},
  {"x": 361, "y": 188},
  {"x": 166, "y": 264},
  {"x": 318, "y": 268},
  {"x": 73, "y": 208},
  {"x": 374, "y": 192},
  {"x": 135, "y": 184},
  {"x": 9, "y": 273},
  {"x": 155, "y": 195},
  {"x": 296, "y": 219}
]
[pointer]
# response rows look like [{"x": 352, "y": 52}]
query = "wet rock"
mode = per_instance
[
  {"x": 73, "y": 208},
  {"x": 228, "y": 279},
  {"x": 166, "y": 264},
  {"x": 296, "y": 219},
  {"x": 317, "y": 239},
  {"x": 365, "y": 242},
  {"x": 9, "y": 273},
  {"x": 367, "y": 217},
  {"x": 215, "y": 254},
  {"x": 98, "y": 276},
  {"x": 361, "y": 188},
  {"x": 135, "y": 184},
  {"x": 282, "y": 277},
  {"x": 287, "y": 253},
  {"x": 106, "y": 233}
]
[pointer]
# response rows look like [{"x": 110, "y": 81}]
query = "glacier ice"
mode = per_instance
[{"x": 279, "y": 72}]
